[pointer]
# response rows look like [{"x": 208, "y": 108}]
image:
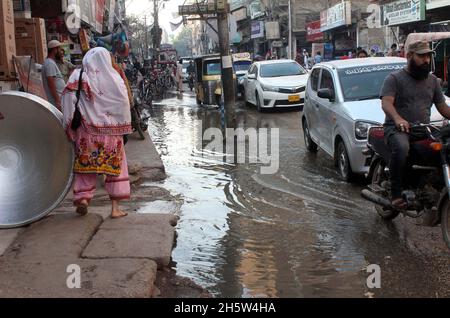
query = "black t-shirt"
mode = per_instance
[{"x": 413, "y": 98}]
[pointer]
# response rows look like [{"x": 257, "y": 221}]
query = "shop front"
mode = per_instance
[{"x": 336, "y": 24}]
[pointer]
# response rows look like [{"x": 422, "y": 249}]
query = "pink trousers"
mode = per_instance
[{"x": 118, "y": 187}]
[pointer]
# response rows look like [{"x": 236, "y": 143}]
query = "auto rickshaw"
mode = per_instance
[{"x": 208, "y": 78}]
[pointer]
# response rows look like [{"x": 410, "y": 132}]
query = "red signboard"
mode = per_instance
[{"x": 313, "y": 33}]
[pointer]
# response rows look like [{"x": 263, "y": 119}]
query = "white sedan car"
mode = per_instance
[{"x": 276, "y": 84}]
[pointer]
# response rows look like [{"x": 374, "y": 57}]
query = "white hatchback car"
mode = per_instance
[{"x": 276, "y": 84}]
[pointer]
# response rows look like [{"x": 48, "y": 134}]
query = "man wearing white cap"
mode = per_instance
[{"x": 52, "y": 78}]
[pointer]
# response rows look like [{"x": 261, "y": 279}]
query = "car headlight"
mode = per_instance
[
  {"x": 269, "y": 88},
  {"x": 362, "y": 130}
]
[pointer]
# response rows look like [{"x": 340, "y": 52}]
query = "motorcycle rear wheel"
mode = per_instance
[
  {"x": 379, "y": 176},
  {"x": 445, "y": 223}
]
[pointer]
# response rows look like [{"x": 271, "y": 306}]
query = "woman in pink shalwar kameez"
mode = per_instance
[{"x": 98, "y": 142}]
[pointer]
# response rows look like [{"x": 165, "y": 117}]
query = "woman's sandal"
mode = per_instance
[{"x": 82, "y": 209}]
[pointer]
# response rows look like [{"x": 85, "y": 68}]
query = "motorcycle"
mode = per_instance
[
  {"x": 191, "y": 81},
  {"x": 145, "y": 93},
  {"x": 426, "y": 181},
  {"x": 138, "y": 121}
]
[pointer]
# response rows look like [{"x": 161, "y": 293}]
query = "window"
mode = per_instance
[
  {"x": 282, "y": 69},
  {"x": 327, "y": 80},
  {"x": 212, "y": 67},
  {"x": 365, "y": 82},
  {"x": 314, "y": 79},
  {"x": 242, "y": 66}
]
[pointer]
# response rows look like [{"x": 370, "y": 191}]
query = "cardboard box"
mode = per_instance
[
  {"x": 6, "y": 86},
  {"x": 31, "y": 38},
  {"x": 7, "y": 40}
]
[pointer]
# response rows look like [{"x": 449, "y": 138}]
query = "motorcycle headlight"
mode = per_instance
[
  {"x": 362, "y": 130},
  {"x": 269, "y": 88}
]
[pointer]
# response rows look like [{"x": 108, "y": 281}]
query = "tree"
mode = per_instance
[
  {"x": 183, "y": 42},
  {"x": 137, "y": 33}
]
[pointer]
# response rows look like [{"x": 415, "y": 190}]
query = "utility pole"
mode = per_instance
[
  {"x": 146, "y": 39},
  {"x": 228, "y": 88},
  {"x": 156, "y": 33}
]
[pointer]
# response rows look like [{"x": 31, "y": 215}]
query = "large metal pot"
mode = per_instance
[{"x": 36, "y": 159}]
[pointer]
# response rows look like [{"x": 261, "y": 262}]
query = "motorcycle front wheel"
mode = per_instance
[
  {"x": 380, "y": 176},
  {"x": 445, "y": 223}
]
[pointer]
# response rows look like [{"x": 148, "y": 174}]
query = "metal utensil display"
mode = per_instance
[{"x": 36, "y": 159}]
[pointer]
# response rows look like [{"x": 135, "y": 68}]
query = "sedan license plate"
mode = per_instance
[{"x": 294, "y": 98}]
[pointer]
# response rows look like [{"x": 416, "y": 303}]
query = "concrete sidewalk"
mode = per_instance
[{"x": 116, "y": 258}]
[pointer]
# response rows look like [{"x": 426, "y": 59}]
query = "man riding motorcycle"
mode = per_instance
[
  {"x": 407, "y": 96},
  {"x": 191, "y": 73}
]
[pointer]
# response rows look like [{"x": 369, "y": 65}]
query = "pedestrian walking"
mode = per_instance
[
  {"x": 318, "y": 58},
  {"x": 53, "y": 80},
  {"x": 96, "y": 111},
  {"x": 179, "y": 76}
]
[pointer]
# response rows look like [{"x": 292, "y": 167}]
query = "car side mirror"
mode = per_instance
[
  {"x": 251, "y": 76},
  {"x": 326, "y": 93}
]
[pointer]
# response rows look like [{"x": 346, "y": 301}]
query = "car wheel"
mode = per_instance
[
  {"x": 343, "y": 163},
  {"x": 311, "y": 146},
  {"x": 258, "y": 102},
  {"x": 379, "y": 176}
]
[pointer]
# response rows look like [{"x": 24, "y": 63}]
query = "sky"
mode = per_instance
[{"x": 142, "y": 8}]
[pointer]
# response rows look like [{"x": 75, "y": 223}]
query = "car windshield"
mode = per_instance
[
  {"x": 242, "y": 66},
  {"x": 365, "y": 82},
  {"x": 212, "y": 67},
  {"x": 282, "y": 69}
]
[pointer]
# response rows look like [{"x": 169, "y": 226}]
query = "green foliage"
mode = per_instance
[{"x": 183, "y": 42}]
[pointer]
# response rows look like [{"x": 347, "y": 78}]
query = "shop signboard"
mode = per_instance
[
  {"x": 272, "y": 30},
  {"x": 240, "y": 14},
  {"x": 433, "y": 4},
  {"x": 257, "y": 29},
  {"x": 277, "y": 44},
  {"x": 402, "y": 11},
  {"x": 313, "y": 33},
  {"x": 234, "y": 4},
  {"x": 87, "y": 14},
  {"x": 256, "y": 10},
  {"x": 328, "y": 51},
  {"x": 336, "y": 16}
]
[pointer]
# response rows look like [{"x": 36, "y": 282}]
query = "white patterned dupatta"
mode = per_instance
[{"x": 104, "y": 102}]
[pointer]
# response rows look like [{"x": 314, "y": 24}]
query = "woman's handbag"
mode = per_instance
[{"x": 76, "y": 121}]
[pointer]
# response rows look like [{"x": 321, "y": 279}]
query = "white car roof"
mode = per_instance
[
  {"x": 342, "y": 64},
  {"x": 275, "y": 62}
]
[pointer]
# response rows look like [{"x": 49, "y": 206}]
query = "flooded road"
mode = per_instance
[{"x": 300, "y": 232}]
